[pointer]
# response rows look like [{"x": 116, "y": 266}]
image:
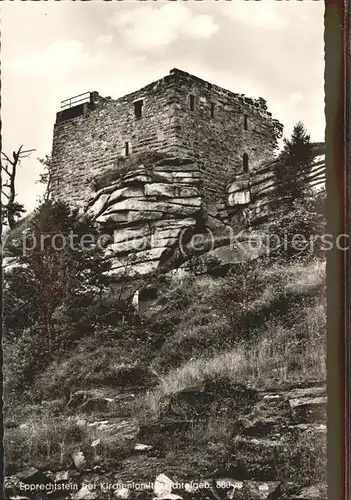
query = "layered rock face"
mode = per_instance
[
  {"x": 158, "y": 218},
  {"x": 148, "y": 212},
  {"x": 252, "y": 197}
]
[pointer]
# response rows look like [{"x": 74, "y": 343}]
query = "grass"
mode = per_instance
[
  {"x": 106, "y": 365},
  {"x": 39, "y": 442},
  {"x": 278, "y": 356},
  {"x": 50, "y": 442},
  {"x": 296, "y": 278},
  {"x": 200, "y": 322},
  {"x": 255, "y": 327},
  {"x": 196, "y": 332},
  {"x": 208, "y": 316},
  {"x": 286, "y": 346}
]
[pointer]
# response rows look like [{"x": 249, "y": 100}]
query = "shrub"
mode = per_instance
[
  {"x": 206, "y": 316},
  {"x": 47, "y": 280},
  {"x": 24, "y": 358}
]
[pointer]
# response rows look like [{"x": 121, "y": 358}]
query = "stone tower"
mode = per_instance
[{"x": 223, "y": 132}]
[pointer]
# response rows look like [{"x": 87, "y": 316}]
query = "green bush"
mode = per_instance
[{"x": 24, "y": 358}]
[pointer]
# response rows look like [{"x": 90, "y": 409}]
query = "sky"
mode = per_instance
[{"x": 55, "y": 50}]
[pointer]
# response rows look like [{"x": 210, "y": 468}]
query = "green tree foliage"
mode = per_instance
[
  {"x": 299, "y": 221},
  {"x": 294, "y": 164},
  {"x": 60, "y": 275}
]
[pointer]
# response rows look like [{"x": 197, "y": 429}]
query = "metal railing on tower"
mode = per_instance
[{"x": 76, "y": 100}]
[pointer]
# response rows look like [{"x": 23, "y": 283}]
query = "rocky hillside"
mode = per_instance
[
  {"x": 204, "y": 378},
  {"x": 190, "y": 391},
  {"x": 252, "y": 197},
  {"x": 156, "y": 215}
]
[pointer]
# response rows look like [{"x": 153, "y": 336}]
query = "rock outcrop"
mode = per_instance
[
  {"x": 157, "y": 219},
  {"x": 146, "y": 212},
  {"x": 252, "y": 197}
]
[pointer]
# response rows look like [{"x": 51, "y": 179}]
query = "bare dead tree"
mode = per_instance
[
  {"x": 11, "y": 209},
  {"x": 46, "y": 177}
]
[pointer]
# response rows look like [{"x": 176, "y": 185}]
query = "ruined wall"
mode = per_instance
[
  {"x": 220, "y": 129},
  {"x": 181, "y": 114},
  {"x": 88, "y": 144}
]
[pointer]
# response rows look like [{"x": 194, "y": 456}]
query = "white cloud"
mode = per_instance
[
  {"x": 262, "y": 14},
  {"x": 149, "y": 28},
  {"x": 295, "y": 98},
  {"x": 60, "y": 57},
  {"x": 201, "y": 26},
  {"x": 104, "y": 39}
]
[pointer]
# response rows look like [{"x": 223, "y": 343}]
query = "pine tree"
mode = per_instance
[
  {"x": 297, "y": 212},
  {"x": 294, "y": 165}
]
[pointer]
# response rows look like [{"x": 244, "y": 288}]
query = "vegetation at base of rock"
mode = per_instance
[
  {"x": 56, "y": 270},
  {"x": 278, "y": 330},
  {"x": 277, "y": 334},
  {"x": 174, "y": 339},
  {"x": 301, "y": 230},
  {"x": 223, "y": 372},
  {"x": 50, "y": 441}
]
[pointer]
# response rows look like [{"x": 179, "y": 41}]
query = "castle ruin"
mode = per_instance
[
  {"x": 222, "y": 132},
  {"x": 216, "y": 172}
]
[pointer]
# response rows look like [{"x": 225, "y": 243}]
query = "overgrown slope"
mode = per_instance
[{"x": 190, "y": 370}]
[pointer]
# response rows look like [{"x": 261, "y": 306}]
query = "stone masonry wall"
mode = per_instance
[
  {"x": 215, "y": 134},
  {"x": 181, "y": 114},
  {"x": 87, "y": 145}
]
